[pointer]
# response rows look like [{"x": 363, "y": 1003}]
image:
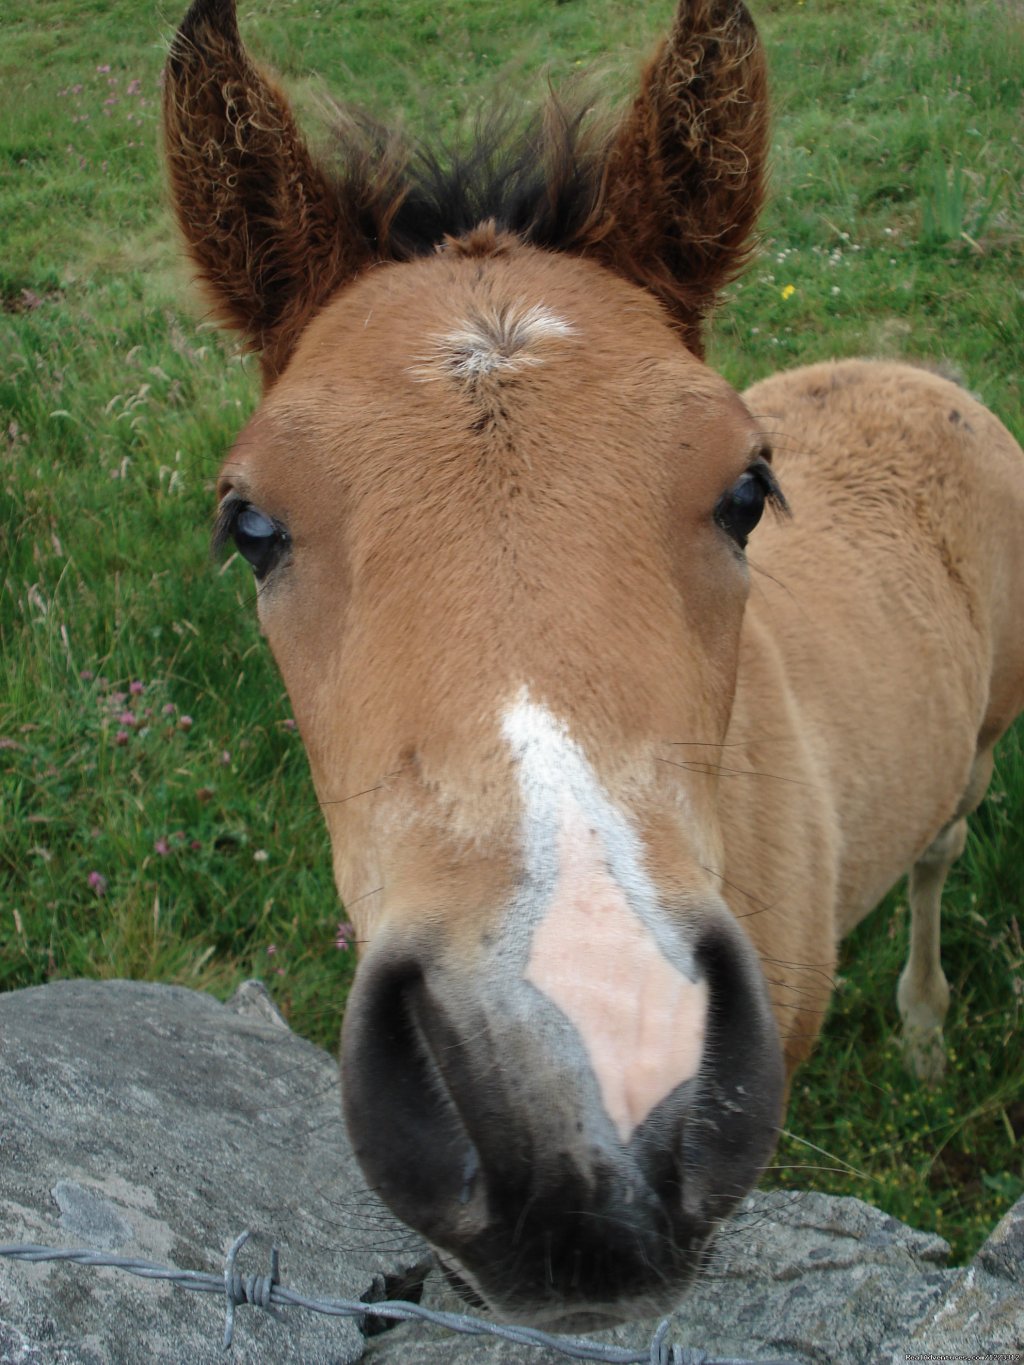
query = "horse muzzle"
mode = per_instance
[{"x": 480, "y": 1114}]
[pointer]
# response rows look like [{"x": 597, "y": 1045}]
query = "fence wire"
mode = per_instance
[{"x": 266, "y": 1292}]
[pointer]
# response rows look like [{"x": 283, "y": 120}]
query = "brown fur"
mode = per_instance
[
  {"x": 886, "y": 602},
  {"x": 498, "y": 470},
  {"x": 883, "y": 630}
]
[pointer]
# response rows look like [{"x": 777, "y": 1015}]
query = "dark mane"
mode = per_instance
[
  {"x": 540, "y": 178},
  {"x": 665, "y": 197}
]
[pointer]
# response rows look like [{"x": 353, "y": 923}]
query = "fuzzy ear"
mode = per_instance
[
  {"x": 271, "y": 234},
  {"x": 684, "y": 180}
]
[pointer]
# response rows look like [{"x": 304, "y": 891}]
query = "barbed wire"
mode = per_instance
[{"x": 267, "y": 1292}]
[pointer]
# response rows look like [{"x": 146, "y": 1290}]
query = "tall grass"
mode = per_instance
[{"x": 158, "y": 819}]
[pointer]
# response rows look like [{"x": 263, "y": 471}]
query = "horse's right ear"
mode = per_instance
[
  {"x": 684, "y": 181},
  {"x": 272, "y": 235}
]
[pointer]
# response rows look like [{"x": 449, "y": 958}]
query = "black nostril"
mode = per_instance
[
  {"x": 743, "y": 1039},
  {"x": 406, "y": 1129},
  {"x": 741, "y": 1090},
  {"x": 470, "y": 1171}
]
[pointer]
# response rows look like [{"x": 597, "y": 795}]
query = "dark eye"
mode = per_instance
[
  {"x": 259, "y": 539},
  {"x": 739, "y": 510}
]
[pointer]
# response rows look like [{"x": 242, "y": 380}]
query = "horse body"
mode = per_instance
[
  {"x": 882, "y": 657},
  {"x": 602, "y": 796}
]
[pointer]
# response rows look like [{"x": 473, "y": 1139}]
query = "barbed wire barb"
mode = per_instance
[{"x": 254, "y": 1289}]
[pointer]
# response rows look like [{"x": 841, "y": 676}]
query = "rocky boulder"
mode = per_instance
[{"x": 153, "y": 1122}]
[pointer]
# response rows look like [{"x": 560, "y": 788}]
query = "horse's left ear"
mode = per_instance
[
  {"x": 272, "y": 235},
  {"x": 684, "y": 181}
]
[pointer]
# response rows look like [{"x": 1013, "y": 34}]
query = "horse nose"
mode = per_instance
[
  {"x": 477, "y": 1115},
  {"x": 450, "y": 1125}
]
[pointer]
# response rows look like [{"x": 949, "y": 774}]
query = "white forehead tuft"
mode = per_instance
[{"x": 488, "y": 341}]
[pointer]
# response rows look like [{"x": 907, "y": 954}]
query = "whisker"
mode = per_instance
[
  {"x": 794, "y": 1166},
  {"x": 703, "y": 744},
  {"x": 375, "y": 892},
  {"x": 340, "y": 801},
  {"x": 710, "y": 769},
  {"x": 734, "y": 886},
  {"x": 785, "y": 1132},
  {"x": 787, "y": 986},
  {"x": 816, "y": 968}
]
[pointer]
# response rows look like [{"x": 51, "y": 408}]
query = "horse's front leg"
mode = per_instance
[{"x": 923, "y": 991}]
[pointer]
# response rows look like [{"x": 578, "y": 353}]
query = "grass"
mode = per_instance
[{"x": 133, "y": 843}]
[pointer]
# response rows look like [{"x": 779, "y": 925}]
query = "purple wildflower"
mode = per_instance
[
  {"x": 345, "y": 937},
  {"x": 162, "y": 847},
  {"x": 98, "y": 883}
]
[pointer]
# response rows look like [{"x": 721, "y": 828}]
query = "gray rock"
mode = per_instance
[
  {"x": 800, "y": 1277},
  {"x": 152, "y": 1121},
  {"x": 155, "y": 1122},
  {"x": 982, "y": 1308}
]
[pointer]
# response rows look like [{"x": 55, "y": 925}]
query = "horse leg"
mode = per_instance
[{"x": 923, "y": 992}]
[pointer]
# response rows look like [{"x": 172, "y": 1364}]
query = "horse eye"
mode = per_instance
[
  {"x": 739, "y": 510},
  {"x": 260, "y": 540}
]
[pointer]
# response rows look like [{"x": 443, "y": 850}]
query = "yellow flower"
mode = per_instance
[{"x": 789, "y": 291}]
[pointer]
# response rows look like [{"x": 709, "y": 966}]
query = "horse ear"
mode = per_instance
[
  {"x": 272, "y": 236},
  {"x": 684, "y": 180}
]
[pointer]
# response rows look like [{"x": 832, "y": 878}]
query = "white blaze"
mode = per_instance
[{"x": 595, "y": 954}]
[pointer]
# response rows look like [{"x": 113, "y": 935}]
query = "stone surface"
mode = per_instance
[
  {"x": 152, "y": 1121},
  {"x": 982, "y": 1308},
  {"x": 800, "y": 1277},
  {"x": 155, "y": 1122}
]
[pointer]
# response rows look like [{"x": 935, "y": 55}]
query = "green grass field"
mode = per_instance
[{"x": 157, "y": 816}]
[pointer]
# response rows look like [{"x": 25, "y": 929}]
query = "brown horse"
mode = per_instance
[{"x": 601, "y": 808}]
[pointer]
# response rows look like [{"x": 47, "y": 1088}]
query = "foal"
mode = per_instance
[{"x": 595, "y": 804}]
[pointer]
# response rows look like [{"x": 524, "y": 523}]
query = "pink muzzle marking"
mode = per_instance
[{"x": 642, "y": 1022}]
